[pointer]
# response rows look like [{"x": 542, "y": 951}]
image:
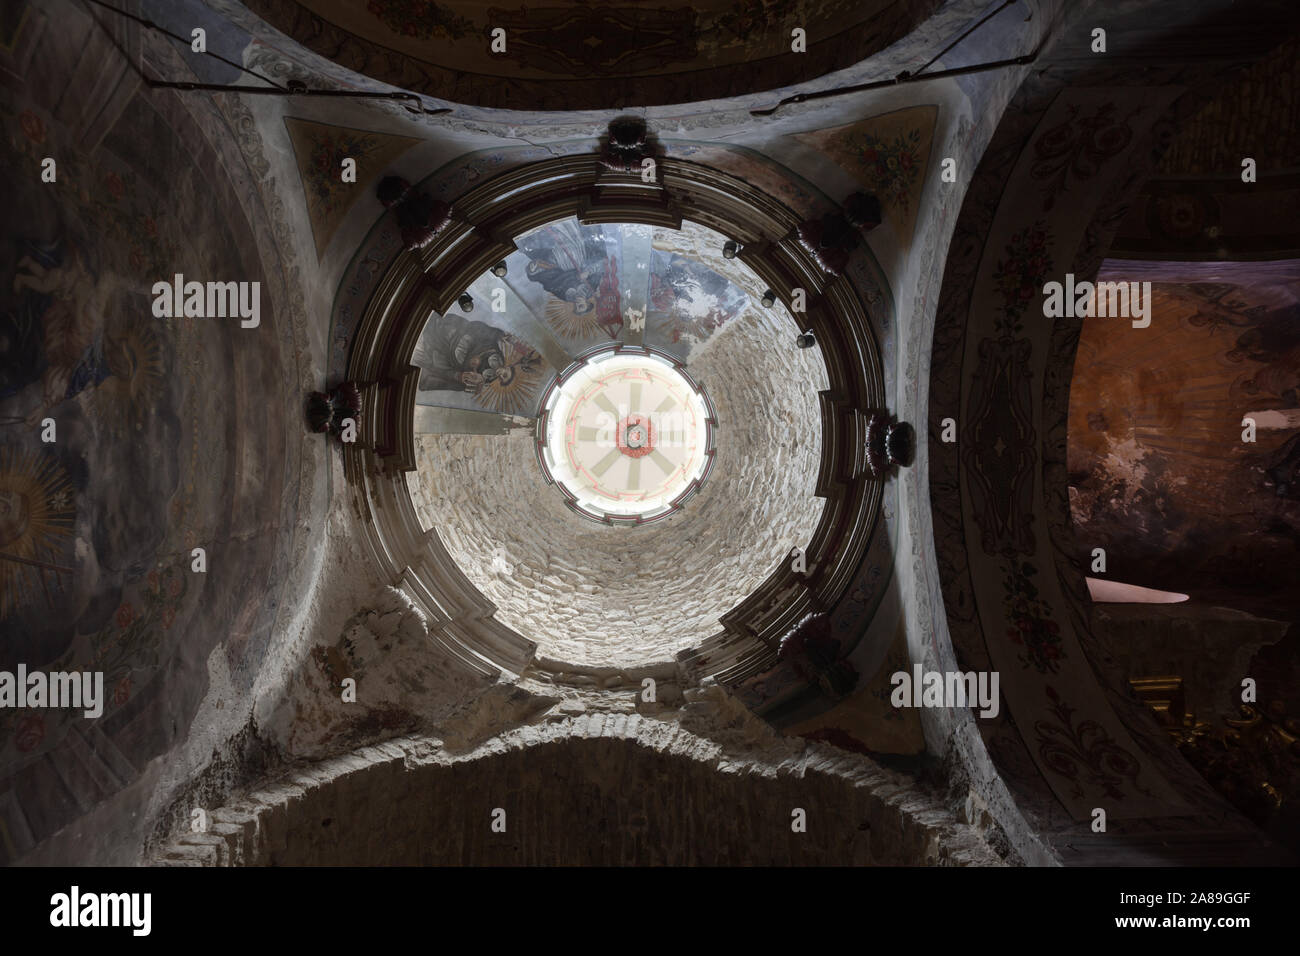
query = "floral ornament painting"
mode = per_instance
[
  {"x": 420, "y": 18},
  {"x": 320, "y": 151},
  {"x": 1029, "y": 621},
  {"x": 893, "y": 165},
  {"x": 1019, "y": 277},
  {"x": 888, "y": 155}
]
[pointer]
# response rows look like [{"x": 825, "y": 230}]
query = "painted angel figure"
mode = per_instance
[
  {"x": 460, "y": 354},
  {"x": 572, "y": 263}
]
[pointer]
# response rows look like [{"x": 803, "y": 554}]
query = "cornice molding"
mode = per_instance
[{"x": 429, "y": 280}]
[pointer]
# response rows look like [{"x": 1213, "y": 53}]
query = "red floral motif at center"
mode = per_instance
[{"x": 635, "y": 436}]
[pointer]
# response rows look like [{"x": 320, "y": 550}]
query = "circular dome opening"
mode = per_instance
[
  {"x": 621, "y": 441},
  {"x": 464, "y": 520},
  {"x": 626, "y": 435}
]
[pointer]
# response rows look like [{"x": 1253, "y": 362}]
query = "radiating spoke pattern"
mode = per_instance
[{"x": 611, "y": 413}]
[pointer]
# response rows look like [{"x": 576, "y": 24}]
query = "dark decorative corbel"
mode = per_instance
[
  {"x": 832, "y": 239},
  {"x": 626, "y": 144},
  {"x": 829, "y": 241},
  {"x": 419, "y": 215},
  {"x": 326, "y": 411},
  {"x": 862, "y": 210},
  {"x": 890, "y": 444},
  {"x": 818, "y": 656}
]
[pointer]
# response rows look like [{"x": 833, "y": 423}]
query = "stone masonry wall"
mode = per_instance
[
  {"x": 599, "y": 596},
  {"x": 592, "y": 789}
]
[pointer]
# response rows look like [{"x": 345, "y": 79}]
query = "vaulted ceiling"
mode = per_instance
[
  {"x": 573, "y": 54},
  {"x": 432, "y": 565}
]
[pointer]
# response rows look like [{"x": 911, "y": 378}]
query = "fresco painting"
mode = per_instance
[
  {"x": 577, "y": 268},
  {"x": 889, "y": 155},
  {"x": 320, "y": 150},
  {"x": 1151, "y": 471},
  {"x": 690, "y": 298},
  {"x": 119, "y": 429},
  {"x": 567, "y": 289},
  {"x": 465, "y": 363}
]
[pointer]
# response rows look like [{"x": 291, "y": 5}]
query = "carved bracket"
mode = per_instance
[
  {"x": 832, "y": 239},
  {"x": 890, "y": 444},
  {"x": 326, "y": 411},
  {"x": 419, "y": 216},
  {"x": 625, "y": 144}
]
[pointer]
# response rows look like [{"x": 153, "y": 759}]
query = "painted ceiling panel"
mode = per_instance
[
  {"x": 1159, "y": 472},
  {"x": 584, "y": 55},
  {"x": 569, "y": 288}
]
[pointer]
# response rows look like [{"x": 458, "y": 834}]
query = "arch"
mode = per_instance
[
  {"x": 569, "y": 55},
  {"x": 632, "y": 790},
  {"x": 1074, "y": 737}
]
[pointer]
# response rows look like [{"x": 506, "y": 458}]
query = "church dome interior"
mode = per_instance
[
  {"x": 615, "y": 592},
  {"x": 752, "y": 433}
]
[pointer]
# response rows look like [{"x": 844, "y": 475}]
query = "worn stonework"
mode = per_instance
[
  {"x": 231, "y": 700},
  {"x": 602, "y": 596},
  {"x": 398, "y": 681},
  {"x": 596, "y": 788}
]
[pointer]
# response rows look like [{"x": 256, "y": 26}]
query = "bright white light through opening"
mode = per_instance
[{"x": 626, "y": 435}]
